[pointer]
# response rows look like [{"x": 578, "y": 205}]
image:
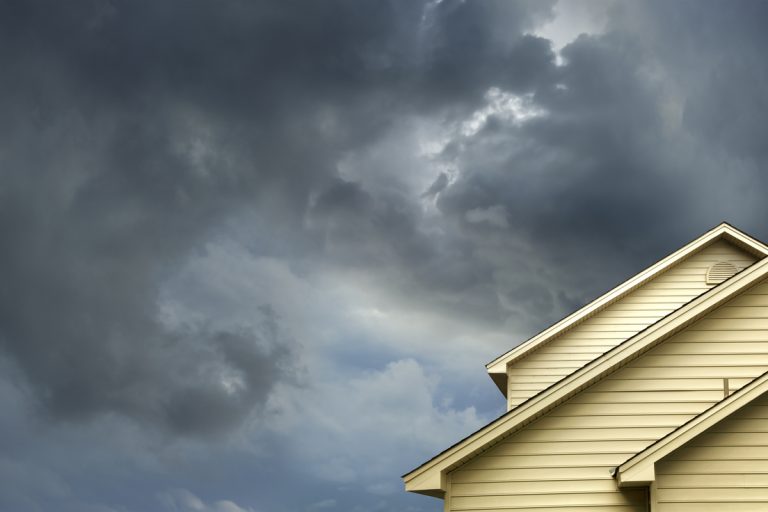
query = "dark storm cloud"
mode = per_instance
[
  {"x": 133, "y": 135},
  {"x": 437, "y": 186},
  {"x": 567, "y": 183},
  {"x": 587, "y": 155},
  {"x": 476, "y": 46},
  {"x": 130, "y": 130},
  {"x": 636, "y": 131},
  {"x": 720, "y": 65},
  {"x": 359, "y": 228}
]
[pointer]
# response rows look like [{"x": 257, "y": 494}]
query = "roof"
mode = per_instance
[
  {"x": 498, "y": 367},
  {"x": 429, "y": 478},
  {"x": 640, "y": 468}
]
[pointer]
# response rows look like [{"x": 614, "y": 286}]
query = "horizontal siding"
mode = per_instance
[
  {"x": 575, "y": 445},
  {"x": 527, "y": 487},
  {"x": 620, "y": 321},
  {"x": 725, "y": 468},
  {"x": 547, "y": 475},
  {"x": 551, "y": 499}
]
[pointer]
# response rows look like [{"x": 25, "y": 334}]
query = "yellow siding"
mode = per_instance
[
  {"x": 562, "y": 461},
  {"x": 619, "y": 321},
  {"x": 725, "y": 468}
]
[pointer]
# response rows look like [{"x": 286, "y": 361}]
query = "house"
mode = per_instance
[{"x": 652, "y": 397}]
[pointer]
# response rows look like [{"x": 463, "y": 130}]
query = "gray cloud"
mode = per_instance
[
  {"x": 133, "y": 130},
  {"x": 182, "y": 500},
  {"x": 437, "y": 186},
  {"x": 139, "y": 139}
]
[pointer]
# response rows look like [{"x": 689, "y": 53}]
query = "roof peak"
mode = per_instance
[{"x": 724, "y": 230}]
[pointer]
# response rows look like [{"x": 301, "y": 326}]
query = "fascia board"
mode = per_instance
[{"x": 746, "y": 242}]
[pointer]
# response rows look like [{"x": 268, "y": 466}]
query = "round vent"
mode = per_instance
[{"x": 719, "y": 272}]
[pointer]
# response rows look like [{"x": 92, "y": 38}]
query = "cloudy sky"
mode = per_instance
[{"x": 255, "y": 254}]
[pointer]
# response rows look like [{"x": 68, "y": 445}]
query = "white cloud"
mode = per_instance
[
  {"x": 493, "y": 215},
  {"x": 574, "y": 17},
  {"x": 322, "y": 505},
  {"x": 504, "y": 105},
  {"x": 368, "y": 410},
  {"x": 182, "y": 500},
  {"x": 362, "y": 430},
  {"x": 326, "y": 310}
]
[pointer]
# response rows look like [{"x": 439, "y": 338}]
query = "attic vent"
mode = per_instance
[{"x": 719, "y": 272}]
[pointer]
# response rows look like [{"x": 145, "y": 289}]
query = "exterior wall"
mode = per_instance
[
  {"x": 725, "y": 468},
  {"x": 562, "y": 461},
  {"x": 618, "y": 322}
]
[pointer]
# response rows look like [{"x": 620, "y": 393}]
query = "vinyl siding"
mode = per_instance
[
  {"x": 562, "y": 461},
  {"x": 618, "y": 322},
  {"x": 726, "y": 468}
]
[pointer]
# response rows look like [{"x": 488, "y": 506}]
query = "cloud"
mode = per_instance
[
  {"x": 125, "y": 149},
  {"x": 209, "y": 214},
  {"x": 26, "y": 484},
  {"x": 397, "y": 406},
  {"x": 322, "y": 504},
  {"x": 493, "y": 215},
  {"x": 182, "y": 500},
  {"x": 437, "y": 186}
]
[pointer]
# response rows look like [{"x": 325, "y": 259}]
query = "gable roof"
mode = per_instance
[
  {"x": 497, "y": 368},
  {"x": 640, "y": 468},
  {"x": 429, "y": 478}
]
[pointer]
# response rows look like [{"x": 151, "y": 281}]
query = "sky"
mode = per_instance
[{"x": 255, "y": 254}]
